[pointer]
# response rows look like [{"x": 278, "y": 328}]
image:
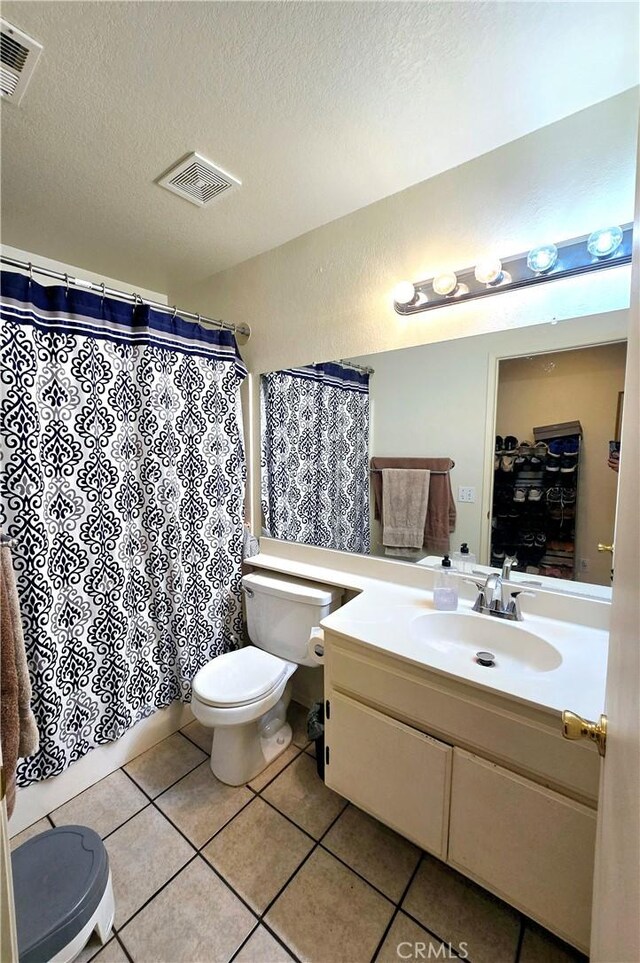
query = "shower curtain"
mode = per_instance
[
  {"x": 315, "y": 456},
  {"x": 122, "y": 487}
]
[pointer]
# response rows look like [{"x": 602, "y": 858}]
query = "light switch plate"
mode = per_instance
[{"x": 466, "y": 494}]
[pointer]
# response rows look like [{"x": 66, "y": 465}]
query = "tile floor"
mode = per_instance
[{"x": 282, "y": 869}]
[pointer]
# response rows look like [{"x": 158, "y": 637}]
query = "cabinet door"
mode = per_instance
[
  {"x": 532, "y": 846},
  {"x": 395, "y": 773}
]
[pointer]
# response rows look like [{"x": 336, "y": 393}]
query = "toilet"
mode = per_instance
[{"x": 243, "y": 695}]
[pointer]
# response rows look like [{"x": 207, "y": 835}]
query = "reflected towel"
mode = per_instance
[
  {"x": 441, "y": 509},
  {"x": 405, "y": 496}
]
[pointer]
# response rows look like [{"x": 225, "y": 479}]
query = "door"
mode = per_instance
[
  {"x": 615, "y": 934},
  {"x": 8, "y": 938},
  {"x": 395, "y": 773}
]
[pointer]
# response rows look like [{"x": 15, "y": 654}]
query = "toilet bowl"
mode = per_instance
[{"x": 243, "y": 695}]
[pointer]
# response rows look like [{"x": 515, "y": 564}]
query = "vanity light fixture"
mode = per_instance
[
  {"x": 404, "y": 293},
  {"x": 605, "y": 242},
  {"x": 445, "y": 283},
  {"x": 608, "y": 247},
  {"x": 542, "y": 259},
  {"x": 489, "y": 271}
]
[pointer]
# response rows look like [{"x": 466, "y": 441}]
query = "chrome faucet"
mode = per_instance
[{"x": 498, "y": 596}]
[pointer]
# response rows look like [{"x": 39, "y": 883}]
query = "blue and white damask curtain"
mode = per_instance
[
  {"x": 315, "y": 456},
  {"x": 122, "y": 488}
]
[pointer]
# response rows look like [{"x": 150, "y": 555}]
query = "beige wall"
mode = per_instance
[
  {"x": 73, "y": 271},
  {"x": 327, "y": 294},
  {"x": 582, "y": 386}
]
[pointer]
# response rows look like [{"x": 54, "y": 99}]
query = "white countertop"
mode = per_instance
[
  {"x": 381, "y": 614},
  {"x": 382, "y": 620}
]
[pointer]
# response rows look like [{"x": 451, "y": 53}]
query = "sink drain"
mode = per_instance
[{"x": 485, "y": 658}]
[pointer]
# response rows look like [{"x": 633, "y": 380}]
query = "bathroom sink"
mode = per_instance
[{"x": 456, "y": 637}]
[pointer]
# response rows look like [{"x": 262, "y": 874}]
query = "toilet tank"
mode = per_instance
[{"x": 282, "y": 610}]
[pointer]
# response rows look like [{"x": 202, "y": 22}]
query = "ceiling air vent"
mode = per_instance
[
  {"x": 198, "y": 180},
  {"x": 19, "y": 56}
]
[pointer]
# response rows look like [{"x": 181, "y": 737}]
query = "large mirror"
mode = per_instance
[{"x": 513, "y": 428}]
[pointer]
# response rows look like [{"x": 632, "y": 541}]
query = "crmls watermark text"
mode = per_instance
[{"x": 429, "y": 951}]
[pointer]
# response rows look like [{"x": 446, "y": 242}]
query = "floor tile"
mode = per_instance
[
  {"x": 297, "y": 719},
  {"x": 383, "y": 857},
  {"x": 104, "y": 806},
  {"x": 540, "y": 946},
  {"x": 302, "y": 796},
  {"x": 262, "y": 947},
  {"x": 198, "y": 734},
  {"x": 159, "y": 767},
  {"x": 408, "y": 941},
  {"x": 327, "y": 913},
  {"x": 265, "y": 777},
  {"x": 311, "y": 749},
  {"x": 33, "y": 830},
  {"x": 459, "y": 912},
  {"x": 257, "y": 853},
  {"x": 200, "y": 804},
  {"x": 195, "y": 918},
  {"x": 143, "y": 854},
  {"x": 112, "y": 952}
]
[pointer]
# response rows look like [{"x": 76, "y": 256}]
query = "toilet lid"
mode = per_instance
[{"x": 239, "y": 678}]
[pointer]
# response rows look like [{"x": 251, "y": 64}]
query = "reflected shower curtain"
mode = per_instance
[
  {"x": 122, "y": 488},
  {"x": 315, "y": 456}
]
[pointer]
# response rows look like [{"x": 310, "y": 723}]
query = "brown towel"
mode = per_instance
[
  {"x": 405, "y": 496},
  {"x": 441, "y": 509},
  {"x": 18, "y": 729}
]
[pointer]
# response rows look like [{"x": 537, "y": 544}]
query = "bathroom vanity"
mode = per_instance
[{"x": 468, "y": 760}]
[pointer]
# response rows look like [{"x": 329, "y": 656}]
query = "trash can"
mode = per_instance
[{"x": 315, "y": 732}]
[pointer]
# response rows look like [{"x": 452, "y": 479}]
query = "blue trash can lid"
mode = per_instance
[{"x": 59, "y": 879}]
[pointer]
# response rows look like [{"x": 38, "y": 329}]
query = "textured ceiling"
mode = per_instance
[{"x": 319, "y": 108}]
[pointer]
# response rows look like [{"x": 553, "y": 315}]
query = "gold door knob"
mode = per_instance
[
  {"x": 605, "y": 548},
  {"x": 575, "y": 727}
]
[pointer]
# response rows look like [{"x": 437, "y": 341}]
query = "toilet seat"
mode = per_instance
[{"x": 239, "y": 678}]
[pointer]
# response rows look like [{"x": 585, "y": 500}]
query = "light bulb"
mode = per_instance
[
  {"x": 404, "y": 293},
  {"x": 605, "y": 242},
  {"x": 489, "y": 271},
  {"x": 542, "y": 259},
  {"x": 445, "y": 283}
]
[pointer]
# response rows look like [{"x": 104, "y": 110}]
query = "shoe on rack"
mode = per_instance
[
  {"x": 554, "y": 495},
  {"x": 499, "y": 445},
  {"x": 556, "y": 448},
  {"x": 520, "y": 495},
  {"x": 535, "y": 494},
  {"x": 568, "y": 464},
  {"x": 571, "y": 446},
  {"x": 541, "y": 449},
  {"x": 510, "y": 443}
]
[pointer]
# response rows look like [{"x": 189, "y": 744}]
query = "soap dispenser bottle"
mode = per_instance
[
  {"x": 445, "y": 590},
  {"x": 464, "y": 560}
]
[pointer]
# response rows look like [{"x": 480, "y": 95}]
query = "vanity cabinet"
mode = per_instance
[
  {"x": 486, "y": 785},
  {"x": 528, "y": 844},
  {"x": 398, "y": 774}
]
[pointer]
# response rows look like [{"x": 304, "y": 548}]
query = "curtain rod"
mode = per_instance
[
  {"x": 124, "y": 296},
  {"x": 358, "y": 367}
]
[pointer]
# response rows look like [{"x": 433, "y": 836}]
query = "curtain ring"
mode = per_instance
[
  {"x": 102, "y": 299},
  {"x": 66, "y": 285},
  {"x": 175, "y": 311},
  {"x": 30, "y": 273},
  {"x": 199, "y": 319}
]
